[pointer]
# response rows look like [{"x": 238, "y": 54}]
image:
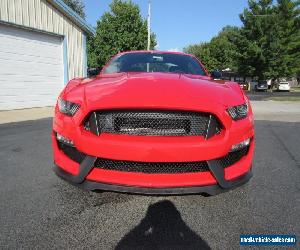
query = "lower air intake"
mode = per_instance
[
  {"x": 233, "y": 157},
  {"x": 152, "y": 167},
  {"x": 71, "y": 152}
]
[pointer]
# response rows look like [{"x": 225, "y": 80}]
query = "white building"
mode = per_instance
[{"x": 42, "y": 46}]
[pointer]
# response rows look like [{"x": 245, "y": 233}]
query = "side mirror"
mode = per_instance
[
  {"x": 216, "y": 75},
  {"x": 93, "y": 72}
]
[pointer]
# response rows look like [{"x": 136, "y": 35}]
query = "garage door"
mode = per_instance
[{"x": 31, "y": 68}]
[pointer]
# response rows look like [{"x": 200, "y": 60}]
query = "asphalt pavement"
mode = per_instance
[{"x": 40, "y": 211}]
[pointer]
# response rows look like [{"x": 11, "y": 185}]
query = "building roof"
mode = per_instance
[{"x": 66, "y": 10}]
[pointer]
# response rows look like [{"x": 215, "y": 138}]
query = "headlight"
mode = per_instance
[
  {"x": 238, "y": 112},
  {"x": 67, "y": 108}
]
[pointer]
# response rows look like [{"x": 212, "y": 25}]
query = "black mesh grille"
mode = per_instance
[
  {"x": 71, "y": 152},
  {"x": 232, "y": 157},
  {"x": 154, "y": 123},
  {"x": 168, "y": 167},
  {"x": 152, "y": 167}
]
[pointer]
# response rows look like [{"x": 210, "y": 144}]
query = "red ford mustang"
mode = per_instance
[{"x": 153, "y": 122}]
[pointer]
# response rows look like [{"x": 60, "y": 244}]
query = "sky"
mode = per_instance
[{"x": 179, "y": 23}]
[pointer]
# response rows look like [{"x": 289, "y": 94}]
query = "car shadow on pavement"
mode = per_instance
[{"x": 162, "y": 228}]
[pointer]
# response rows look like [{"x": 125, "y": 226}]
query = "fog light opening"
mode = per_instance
[
  {"x": 240, "y": 145},
  {"x": 64, "y": 140}
]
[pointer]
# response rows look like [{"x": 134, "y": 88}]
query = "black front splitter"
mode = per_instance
[{"x": 210, "y": 190}]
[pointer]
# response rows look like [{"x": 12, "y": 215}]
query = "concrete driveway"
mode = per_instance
[{"x": 39, "y": 210}]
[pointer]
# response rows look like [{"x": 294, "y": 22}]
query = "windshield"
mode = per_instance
[{"x": 154, "y": 62}]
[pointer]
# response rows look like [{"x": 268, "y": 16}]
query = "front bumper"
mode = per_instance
[
  {"x": 154, "y": 149},
  {"x": 210, "y": 190},
  {"x": 214, "y": 181}
]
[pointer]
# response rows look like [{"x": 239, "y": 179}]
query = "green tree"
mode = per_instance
[
  {"x": 203, "y": 53},
  {"x": 91, "y": 55},
  {"x": 224, "y": 48},
  {"x": 77, "y": 6},
  {"x": 120, "y": 29},
  {"x": 288, "y": 55},
  {"x": 270, "y": 42},
  {"x": 221, "y": 52},
  {"x": 267, "y": 45}
]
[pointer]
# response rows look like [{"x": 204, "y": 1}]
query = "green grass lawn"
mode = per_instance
[
  {"x": 295, "y": 89},
  {"x": 285, "y": 98}
]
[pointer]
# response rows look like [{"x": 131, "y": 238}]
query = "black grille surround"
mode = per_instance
[
  {"x": 154, "y": 167},
  {"x": 152, "y": 123}
]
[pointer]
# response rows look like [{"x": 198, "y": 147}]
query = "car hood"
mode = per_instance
[{"x": 157, "y": 90}]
